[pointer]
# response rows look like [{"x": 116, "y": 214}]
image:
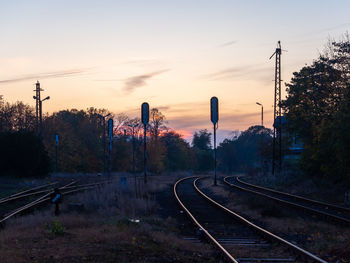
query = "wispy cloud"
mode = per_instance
[
  {"x": 163, "y": 108},
  {"x": 230, "y": 43},
  {"x": 138, "y": 81},
  {"x": 333, "y": 28},
  {"x": 228, "y": 73},
  {"x": 235, "y": 120},
  {"x": 258, "y": 71},
  {"x": 309, "y": 36},
  {"x": 45, "y": 75},
  {"x": 144, "y": 61}
]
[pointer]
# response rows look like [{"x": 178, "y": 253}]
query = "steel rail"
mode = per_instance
[
  {"x": 85, "y": 185},
  {"x": 297, "y": 197},
  {"x": 26, "y": 191},
  {"x": 43, "y": 199},
  {"x": 24, "y": 195},
  {"x": 45, "y": 191},
  {"x": 209, "y": 236},
  {"x": 259, "y": 229},
  {"x": 31, "y": 204},
  {"x": 310, "y": 209}
]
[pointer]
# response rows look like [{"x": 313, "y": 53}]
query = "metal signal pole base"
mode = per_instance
[
  {"x": 145, "y": 154},
  {"x": 215, "y": 180}
]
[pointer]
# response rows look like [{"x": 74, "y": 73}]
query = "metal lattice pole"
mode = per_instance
[{"x": 277, "y": 112}]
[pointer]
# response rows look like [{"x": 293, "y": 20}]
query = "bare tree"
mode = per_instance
[{"x": 157, "y": 123}]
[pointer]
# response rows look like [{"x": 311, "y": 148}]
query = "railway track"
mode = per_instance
[
  {"x": 67, "y": 189},
  {"x": 332, "y": 212},
  {"x": 237, "y": 239},
  {"x": 28, "y": 192}
]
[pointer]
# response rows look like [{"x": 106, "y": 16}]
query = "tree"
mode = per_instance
[
  {"x": 81, "y": 139},
  {"x": 17, "y": 116},
  {"x": 156, "y": 149},
  {"x": 250, "y": 149},
  {"x": 317, "y": 109},
  {"x": 201, "y": 145},
  {"x": 202, "y": 140},
  {"x": 22, "y": 154},
  {"x": 178, "y": 152},
  {"x": 157, "y": 123},
  {"x": 120, "y": 122}
]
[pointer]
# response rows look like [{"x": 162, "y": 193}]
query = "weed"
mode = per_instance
[{"x": 56, "y": 228}]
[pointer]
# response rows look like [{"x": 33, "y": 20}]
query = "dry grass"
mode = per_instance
[
  {"x": 89, "y": 239},
  {"x": 105, "y": 236},
  {"x": 322, "y": 238},
  {"x": 314, "y": 188}
]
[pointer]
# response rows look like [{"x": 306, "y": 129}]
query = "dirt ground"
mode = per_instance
[{"x": 118, "y": 223}]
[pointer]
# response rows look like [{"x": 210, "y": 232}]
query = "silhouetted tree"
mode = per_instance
[
  {"x": 249, "y": 150},
  {"x": 317, "y": 109},
  {"x": 17, "y": 116},
  {"x": 23, "y": 154},
  {"x": 156, "y": 149},
  {"x": 178, "y": 152},
  {"x": 201, "y": 146},
  {"x": 81, "y": 139},
  {"x": 157, "y": 123}
]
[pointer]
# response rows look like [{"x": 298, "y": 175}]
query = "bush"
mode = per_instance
[{"x": 23, "y": 154}]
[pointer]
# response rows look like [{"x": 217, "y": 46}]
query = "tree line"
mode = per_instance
[{"x": 81, "y": 144}]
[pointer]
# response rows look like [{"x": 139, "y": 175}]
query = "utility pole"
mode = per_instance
[
  {"x": 110, "y": 135},
  {"x": 39, "y": 108},
  {"x": 57, "y": 138},
  {"x": 133, "y": 149},
  {"x": 104, "y": 140},
  {"x": 133, "y": 126},
  {"x": 277, "y": 112},
  {"x": 262, "y": 113},
  {"x": 37, "y": 104}
]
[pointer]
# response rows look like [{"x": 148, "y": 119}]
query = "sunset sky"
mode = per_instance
[{"x": 175, "y": 55}]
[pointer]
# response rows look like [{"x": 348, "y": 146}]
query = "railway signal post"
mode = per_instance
[
  {"x": 145, "y": 121},
  {"x": 214, "y": 116},
  {"x": 57, "y": 140},
  {"x": 104, "y": 140},
  {"x": 110, "y": 136},
  {"x": 56, "y": 199}
]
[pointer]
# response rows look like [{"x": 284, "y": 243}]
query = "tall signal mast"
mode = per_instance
[
  {"x": 39, "y": 108},
  {"x": 277, "y": 112},
  {"x": 37, "y": 105}
]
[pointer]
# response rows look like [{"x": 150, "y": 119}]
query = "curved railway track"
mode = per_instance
[
  {"x": 237, "y": 239},
  {"x": 325, "y": 210}
]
